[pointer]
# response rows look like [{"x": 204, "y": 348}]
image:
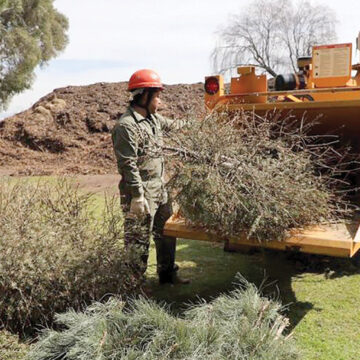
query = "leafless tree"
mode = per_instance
[{"x": 272, "y": 34}]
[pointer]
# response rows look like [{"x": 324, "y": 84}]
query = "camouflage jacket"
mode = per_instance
[{"x": 137, "y": 145}]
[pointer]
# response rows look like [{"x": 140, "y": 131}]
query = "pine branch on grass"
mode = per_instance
[{"x": 242, "y": 325}]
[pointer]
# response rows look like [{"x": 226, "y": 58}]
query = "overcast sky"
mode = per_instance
[{"x": 110, "y": 39}]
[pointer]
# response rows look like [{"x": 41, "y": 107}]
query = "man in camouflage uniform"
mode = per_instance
[{"x": 137, "y": 140}]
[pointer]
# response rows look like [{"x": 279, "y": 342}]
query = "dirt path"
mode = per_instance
[{"x": 91, "y": 183}]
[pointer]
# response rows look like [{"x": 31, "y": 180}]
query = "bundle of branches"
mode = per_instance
[
  {"x": 241, "y": 325},
  {"x": 261, "y": 175},
  {"x": 56, "y": 253}
]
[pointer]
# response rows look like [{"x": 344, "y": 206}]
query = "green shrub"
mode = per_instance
[
  {"x": 241, "y": 325},
  {"x": 55, "y": 253}
]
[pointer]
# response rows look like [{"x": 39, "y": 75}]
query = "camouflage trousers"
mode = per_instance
[{"x": 137, "y": 238}]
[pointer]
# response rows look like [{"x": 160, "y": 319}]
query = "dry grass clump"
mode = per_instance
[
  {"x": 55, "y": 253},
  {"x": 11, "y": 348},
  {"x": 241, "y": 325},
  {"x": 260, "y": 175}
]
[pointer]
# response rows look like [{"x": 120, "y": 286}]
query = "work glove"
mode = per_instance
[{"x": 139, "y": 206}]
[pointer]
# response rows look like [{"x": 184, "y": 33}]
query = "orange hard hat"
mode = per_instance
[{"x": 145, "y": 79}]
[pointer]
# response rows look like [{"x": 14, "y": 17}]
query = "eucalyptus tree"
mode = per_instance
[{"x": 31, "y": 33}]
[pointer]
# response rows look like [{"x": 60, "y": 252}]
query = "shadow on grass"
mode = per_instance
[{"x": 213, "y": 271}]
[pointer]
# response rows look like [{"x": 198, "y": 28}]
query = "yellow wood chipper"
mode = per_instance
[{"x": 326, "y": 88}]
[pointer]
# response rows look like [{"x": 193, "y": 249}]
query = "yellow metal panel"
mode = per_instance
[
  {"x": 332, "y": 95},
  {"x": 355, "y": 249},
  {"x": 356, "y": 243},
  {"x": 249, "y": 82},
  {"x": 245, "y": 70},
  {"x": 333, "y": 240},
  {"x": 293, "y": 98},
  {"x": 340, "y": 116}
]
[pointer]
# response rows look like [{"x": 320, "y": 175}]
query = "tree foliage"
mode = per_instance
[
  {"x": 31, "y": 33},
  {"x": 272, "y": 34}
]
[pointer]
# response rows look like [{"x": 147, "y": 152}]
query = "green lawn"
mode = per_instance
[
  {"x": 330, "y": 329},
  {"x": 324, "y": 312}
]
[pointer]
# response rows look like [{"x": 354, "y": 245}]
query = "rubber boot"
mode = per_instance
[{"x": 172, "y": 278}]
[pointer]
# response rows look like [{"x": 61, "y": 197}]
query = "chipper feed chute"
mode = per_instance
[{"x": 323, "y": 89}]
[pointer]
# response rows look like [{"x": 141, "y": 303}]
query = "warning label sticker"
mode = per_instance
[{"x": 332, "y": 61}]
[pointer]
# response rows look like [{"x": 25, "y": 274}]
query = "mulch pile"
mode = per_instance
[{"x": 69, "y": 130}]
